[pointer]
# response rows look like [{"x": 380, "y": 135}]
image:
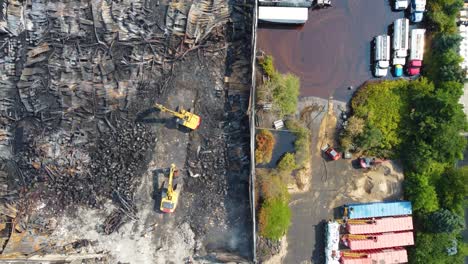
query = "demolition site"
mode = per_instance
[{"x": 124, "y": 131}]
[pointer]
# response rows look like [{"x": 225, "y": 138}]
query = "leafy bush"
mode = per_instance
[
  {"x": 287, "y": 163},
  {"x": 265, "y": 144},
  {"x": 286, "y": 92},
  {"x": 274, "y": 219},
  {"x": 268, "y": 67}
]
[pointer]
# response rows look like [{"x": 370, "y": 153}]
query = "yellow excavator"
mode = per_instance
[
  {"x": 183, "y": 117},
  {"x": 170, "y": 193}
]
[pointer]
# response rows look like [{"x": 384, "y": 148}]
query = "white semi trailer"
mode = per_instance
[
  {"x": 400, "y": 44},
  {"x": 381, "y": 55}
]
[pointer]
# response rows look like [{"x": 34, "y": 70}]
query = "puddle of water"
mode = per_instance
[
  {"x": 332, "y": 50},
  {"x": 284, "y": 144}
]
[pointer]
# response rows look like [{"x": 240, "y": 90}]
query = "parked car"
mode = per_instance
[
  {"x": 368, "y": 162},
  {"x": 332, "y": 153}
]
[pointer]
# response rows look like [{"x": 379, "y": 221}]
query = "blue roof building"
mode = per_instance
[{"x": 379, "y": 209}]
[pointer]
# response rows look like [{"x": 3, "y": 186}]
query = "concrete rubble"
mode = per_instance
[{"x": 81, "y": 145}]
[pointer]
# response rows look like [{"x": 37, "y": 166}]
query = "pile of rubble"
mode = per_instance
[{"x": 74, "y": 75}]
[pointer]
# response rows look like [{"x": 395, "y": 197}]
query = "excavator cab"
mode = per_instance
[
  {"x": 183, "y": 117},
  {"x": 170, "y": 192}
]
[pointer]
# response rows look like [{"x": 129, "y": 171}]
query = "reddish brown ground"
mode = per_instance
[{"x": 331, "y": 51}]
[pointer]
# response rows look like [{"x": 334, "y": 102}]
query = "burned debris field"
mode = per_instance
[{"x": 83, "y": 149}]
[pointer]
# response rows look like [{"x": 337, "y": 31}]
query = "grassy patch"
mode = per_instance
[
  {"x": 287, "y": 163},
  {"x": 302, "y": 142},
  {"x": 274, "y": 218}
]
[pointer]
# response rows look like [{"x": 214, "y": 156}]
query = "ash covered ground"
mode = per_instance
[{"x": 82, "y": 147}]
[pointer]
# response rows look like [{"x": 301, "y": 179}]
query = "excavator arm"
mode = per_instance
[
  {"x": 170, "y": 189},
  {"x": 165, "y": 109}
]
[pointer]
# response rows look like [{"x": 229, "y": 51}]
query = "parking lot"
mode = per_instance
[{"x": 332, "y": 50}]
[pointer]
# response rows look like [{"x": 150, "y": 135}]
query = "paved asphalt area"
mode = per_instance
[{"x": 311, "y": 209}]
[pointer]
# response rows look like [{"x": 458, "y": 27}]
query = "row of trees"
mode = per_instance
[{"x": 421, "y": 121}]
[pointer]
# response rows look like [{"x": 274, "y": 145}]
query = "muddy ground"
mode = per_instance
[
  {"x": 82, "y": 148},
  {"x": 332, "y": 50}
]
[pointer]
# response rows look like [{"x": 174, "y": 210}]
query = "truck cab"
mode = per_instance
[
  {"x": 401, "y": 5},
  {"x": 398, "y": 70},
  {"x": 414, "y": 67},
  {"x": 417, "y": 10},
  {"x": 381, "y": 68}
]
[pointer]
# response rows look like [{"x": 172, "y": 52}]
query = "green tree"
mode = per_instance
[
  {"x": 421, "y": 193},
  {"x": 433, "y": 249},
  {"x": 446, "y": 41},
  {"x": 383, "y": 105},
  {"x": 442, "y": 14},
  {"x": 452, "y": 189},
  {"x": 274, "y": 219},
  {"x": 287, "y": 163},
  {"x": 444, "y": 221},
  {"x": 370, "y": 138}
]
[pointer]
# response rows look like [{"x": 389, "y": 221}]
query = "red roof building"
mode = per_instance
[
  {"x": 380, "y": 225},
  {"x": 385, "y": 256},
  {"x": 375, "y": 241}
]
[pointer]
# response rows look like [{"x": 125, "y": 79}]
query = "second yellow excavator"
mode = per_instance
[
  {"x": 170, "y": 193},
  {"x": 183, "y": 117}
]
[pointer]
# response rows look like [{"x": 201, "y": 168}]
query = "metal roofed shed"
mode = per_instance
[
  {"x": 396, "y": 255},
  {"x": 378, "y": 209},
  {"x": 379, "y": 225},
  {"x": 283, "y": 15},
  {"x": 376, "y": 241}
]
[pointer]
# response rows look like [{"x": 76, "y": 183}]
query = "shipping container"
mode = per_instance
[
  {"x": 380, "y": 209},
  {"x": 386, "y": 256},
  {"x": 376, "y": 241},
  {"x": 379, "y": 225}
]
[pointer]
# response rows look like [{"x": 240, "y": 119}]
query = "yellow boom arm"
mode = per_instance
[
  {"x": 170, "y": 190},
  {"x": 165, "y": 109}
]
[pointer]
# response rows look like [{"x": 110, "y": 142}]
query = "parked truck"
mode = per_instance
[
  {"x": 417, "y": 10},
  {"x": 400, "y": 44},
  {"x": 381, "y": 55},
  {"x": 416, "y": 51},
  {"x": 401, "y": 5}
]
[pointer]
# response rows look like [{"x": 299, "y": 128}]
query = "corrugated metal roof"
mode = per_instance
[
  {"x": 381, "y": 225},
  {"x": 390, "y": 256},
  {"x": 387, "y": 240},
  {"x": 368, "y": 210}
]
